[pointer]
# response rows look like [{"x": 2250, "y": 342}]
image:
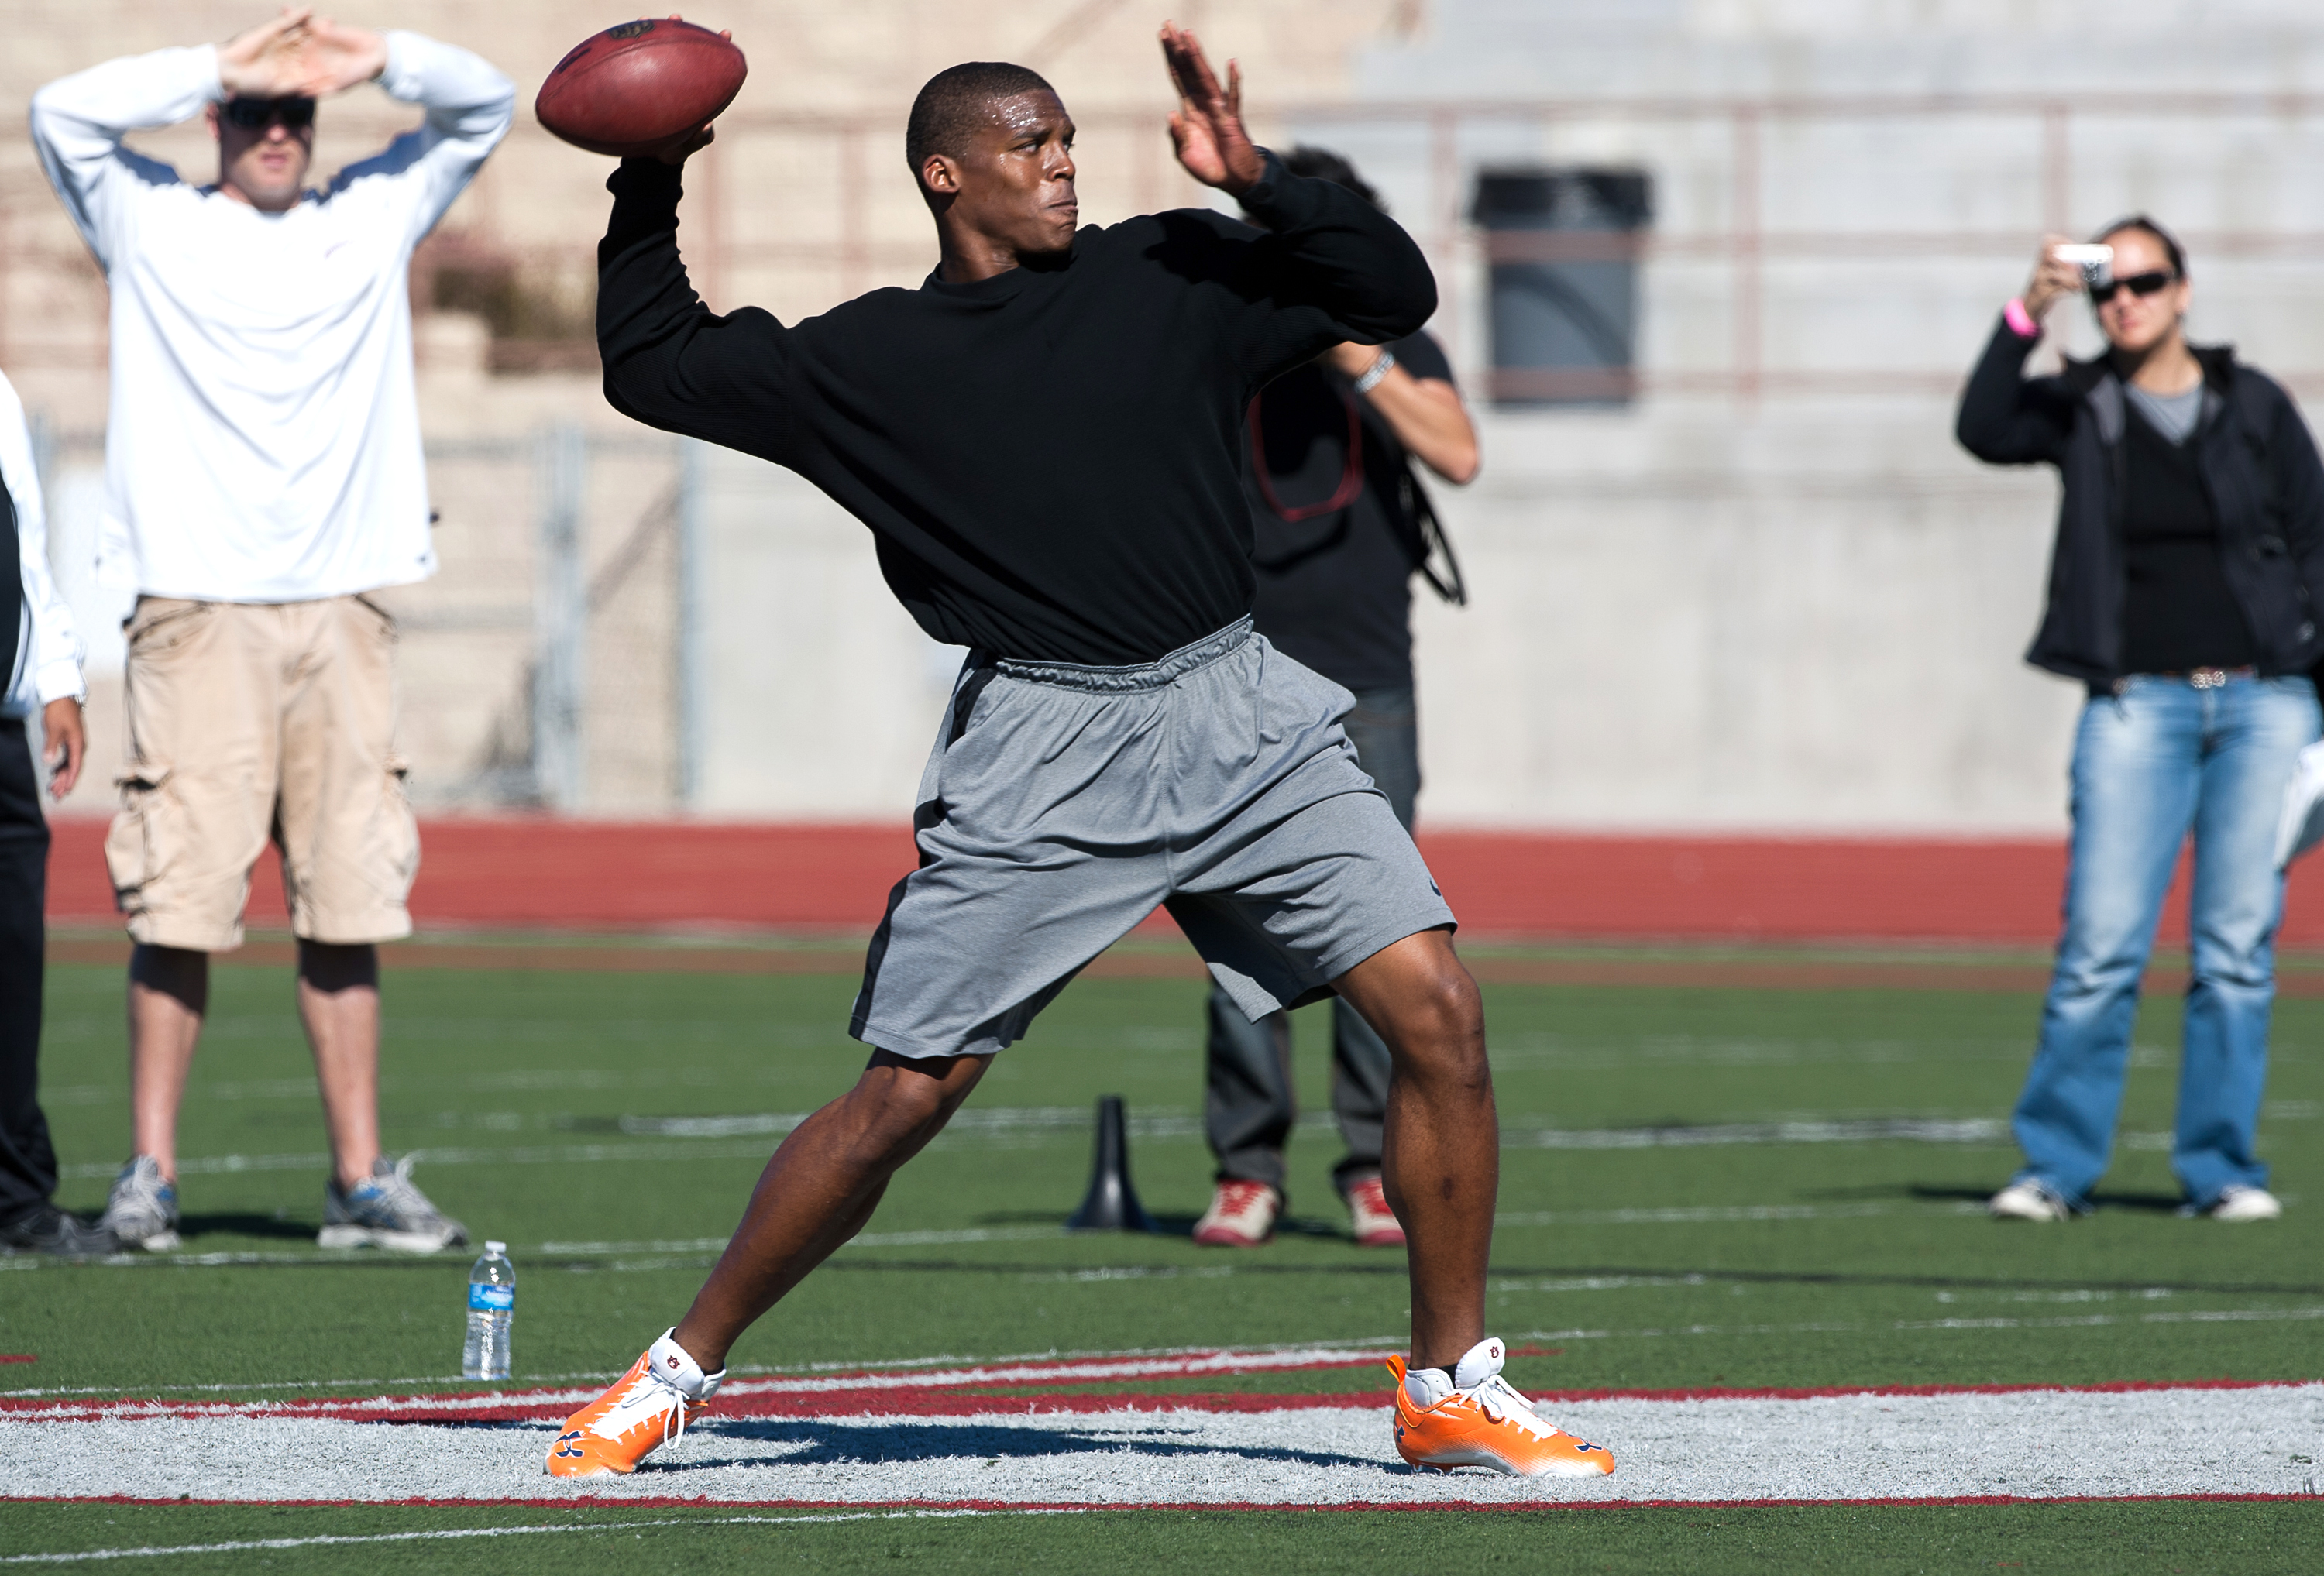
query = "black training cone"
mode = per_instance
[{"x": 1113, "y": 1204}]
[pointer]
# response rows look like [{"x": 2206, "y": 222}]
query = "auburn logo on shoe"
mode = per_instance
[{"x": 641, "y": 1413}]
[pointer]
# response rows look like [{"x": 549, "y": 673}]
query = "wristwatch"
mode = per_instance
[{"x": 1377, "y": 371}]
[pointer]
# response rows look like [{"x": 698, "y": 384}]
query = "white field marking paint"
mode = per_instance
[
  {"x": 663, "y": 1255},
  {"x": 1693, "y": 1214},
  {"x": 2033, "y": 1445},
  {"x": 495, "y": 1532},
  {"x": 867, "y": 1239},
  {"x": 2080, "y": 1321},
  {"x": 929, "y": 1370},
  {"x": 1015, "y": 1126},
  {"x": 1095, "y": 1368}
]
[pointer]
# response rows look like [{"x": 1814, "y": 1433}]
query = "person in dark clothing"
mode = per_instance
[
  {"x": 1337, "y": 519},
  {"x": 2182, "y": 593},
  {"x": 1044, "y": 441},
  {"x": 40, "y": 671}
]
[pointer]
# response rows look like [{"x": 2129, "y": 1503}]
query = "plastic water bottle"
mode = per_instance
[{"x": 492, "y": 1308}]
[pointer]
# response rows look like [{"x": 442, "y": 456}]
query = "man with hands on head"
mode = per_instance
[
  {"x": 1045, "y": 440},
  {"x": 264, "y": 463},
  {"x": 40, "y": 674},
  {"x": 2184, "y": 594}
]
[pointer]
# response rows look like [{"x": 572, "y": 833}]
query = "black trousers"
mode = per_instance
[
  {"x": 1248, "y": 1105},
  {"x": 28, "y": 1164}
]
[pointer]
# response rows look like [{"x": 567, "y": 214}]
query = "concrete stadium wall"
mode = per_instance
[{"x": 1761, "y": 598}]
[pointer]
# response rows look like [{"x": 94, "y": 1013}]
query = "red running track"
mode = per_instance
[{"x": 541, "y": 874}]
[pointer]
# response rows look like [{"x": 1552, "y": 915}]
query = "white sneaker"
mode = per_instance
[
  {"x": 1242, "y": 1215},
  {"x": 2245, "y": 1203},
  {"x": 142, "y": 1211},
  {"x": 2027, "y": 1200},
  {"x": 386, "y": 1210}
]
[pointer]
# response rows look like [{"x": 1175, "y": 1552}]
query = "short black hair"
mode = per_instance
[
  {"x": 2162, "y": 237},
  {"x": 1325, "y": 165},
  {"x": 951, "y": 106}
]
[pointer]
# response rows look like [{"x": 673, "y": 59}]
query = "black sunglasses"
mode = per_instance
[
  {"x": 2137, "y": 285},
  {"x": 296, "y": 113}
]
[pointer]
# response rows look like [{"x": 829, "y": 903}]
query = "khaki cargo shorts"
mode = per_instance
[{"x": 251, "y": 722}]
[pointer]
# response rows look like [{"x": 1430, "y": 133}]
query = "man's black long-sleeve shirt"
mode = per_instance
[{"x": 1049, "y": 459}]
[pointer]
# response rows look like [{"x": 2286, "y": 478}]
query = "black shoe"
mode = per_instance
[{"x": 49, "y": 1229}]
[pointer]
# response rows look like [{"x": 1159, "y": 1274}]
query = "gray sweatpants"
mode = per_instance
[
  {"x": 1249, "y": 1100},
  {"x": 1064, "y": 803}
]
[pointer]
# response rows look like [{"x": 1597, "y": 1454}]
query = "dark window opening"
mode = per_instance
[{"x": 1562, "y": 248}]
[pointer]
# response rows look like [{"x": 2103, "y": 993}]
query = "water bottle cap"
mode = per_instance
[{"x": 496, "y": 1246}]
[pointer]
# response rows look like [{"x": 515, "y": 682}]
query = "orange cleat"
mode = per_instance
[
  {"x": 1484, "y": 1423},
  {"x": 645, "y": 1410}
]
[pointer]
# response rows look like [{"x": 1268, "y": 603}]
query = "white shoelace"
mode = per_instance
[
  {"x": 649, "y": 1392},
  {"x": 1501, "y": 1403}
]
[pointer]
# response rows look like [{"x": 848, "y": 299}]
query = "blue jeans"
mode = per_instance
[{"x": 2154, "y": 763}]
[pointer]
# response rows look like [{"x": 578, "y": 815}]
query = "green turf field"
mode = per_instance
[{"x": 590, "y": 1120}]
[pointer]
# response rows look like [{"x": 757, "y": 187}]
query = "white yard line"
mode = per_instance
[
  {"x": 79, "y": 1556},
  {"x": 719, "y": 1138},
  {"x": 2039, "y": 1445},
  {"x": 937, "y": 1369}
]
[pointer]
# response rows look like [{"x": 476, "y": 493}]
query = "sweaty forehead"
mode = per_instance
[{"x": 1024, "y": 112}]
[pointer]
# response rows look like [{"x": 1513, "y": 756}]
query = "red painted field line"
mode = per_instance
[
  {"x": 703, "y": 1502},
  {"x": 940, "y": 1402},
  {"x": 17, "y": 1357}
]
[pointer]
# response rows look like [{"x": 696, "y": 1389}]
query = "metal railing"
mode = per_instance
[{"x": 853, "y": 148}]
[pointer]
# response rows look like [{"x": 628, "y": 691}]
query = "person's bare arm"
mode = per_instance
[
  {"x": 1425, "y": 414},
  {"x": 66, "y": 746}
]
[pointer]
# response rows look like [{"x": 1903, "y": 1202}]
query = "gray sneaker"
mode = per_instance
[
  {"x": 142, "y": 1211},
  {"x": 386, "y": 1210}
]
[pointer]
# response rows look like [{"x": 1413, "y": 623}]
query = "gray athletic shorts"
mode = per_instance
[{"x": 1062, "y": 804}]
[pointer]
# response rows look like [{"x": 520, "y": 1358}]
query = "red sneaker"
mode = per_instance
[
  {"x": 1375, "y": 1225},
  {"x": 1242, "y": 1215}
]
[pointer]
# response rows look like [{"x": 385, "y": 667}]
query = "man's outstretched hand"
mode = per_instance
[{"x": 1207, "y": 125}]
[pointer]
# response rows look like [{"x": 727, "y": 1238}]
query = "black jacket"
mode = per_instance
[{"x": 2258, "y": 463}]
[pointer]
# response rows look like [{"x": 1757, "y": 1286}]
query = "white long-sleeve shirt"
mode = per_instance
[
  {"x": 48, "y": 647},
  {"x": 264, "y": 439}
]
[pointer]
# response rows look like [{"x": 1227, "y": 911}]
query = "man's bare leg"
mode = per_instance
[
  {"x": 168, "y": 994},
  {"x": 338, "y": 1004},
  {"x": 1441, "y": 1157},
  {"x": 820, "y": 1188}
]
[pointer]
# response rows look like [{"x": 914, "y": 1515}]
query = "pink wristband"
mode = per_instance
[{"x": 2021, "y": 322}]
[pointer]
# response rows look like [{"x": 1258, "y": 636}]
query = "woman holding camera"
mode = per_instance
[{"x": 2183, "y": 591}]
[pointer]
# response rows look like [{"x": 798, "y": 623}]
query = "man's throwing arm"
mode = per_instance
[
  {"x": 670, "y": 360},
  {"x": 78, "y": 123},
  {"x": 1329, "y": 251}
]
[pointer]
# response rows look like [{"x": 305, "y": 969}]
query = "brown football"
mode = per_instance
[{"x": 639, "y": 86}]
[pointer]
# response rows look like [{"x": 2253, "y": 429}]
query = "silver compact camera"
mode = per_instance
[{"x": 2096, "y": 263}]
